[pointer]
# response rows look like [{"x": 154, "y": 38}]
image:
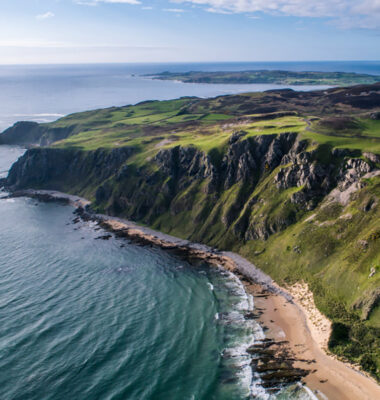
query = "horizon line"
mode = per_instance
[{"x": 181, "y": 62}]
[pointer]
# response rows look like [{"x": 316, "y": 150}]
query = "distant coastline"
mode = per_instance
[{"x": 278, "y": 77}]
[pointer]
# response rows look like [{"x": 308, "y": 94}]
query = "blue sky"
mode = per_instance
[{"x": 86, "y": 31}]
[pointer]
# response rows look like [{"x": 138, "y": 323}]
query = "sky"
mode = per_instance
[{"x": 93, "y": 31}]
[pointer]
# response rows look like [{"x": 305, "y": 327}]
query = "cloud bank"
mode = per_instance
[{"x": 347, "y": 13}]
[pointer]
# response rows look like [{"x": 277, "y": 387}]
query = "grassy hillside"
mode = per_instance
[{"x": 208, "y": 124}]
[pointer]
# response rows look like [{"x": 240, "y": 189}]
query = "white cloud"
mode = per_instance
[
  {"x": 95, "y": 2},
  {"x": 37, "y": 44},
  {"x": 174, "y": 10},
  {"x": 32, "y": 44},
  {"x": 85, "y": 3},
  {"x": 303, "y": 8},
  {"x": 47, "y": 15},
  {"x": 119, "y": 1},
  {"x": 360, "y": 13}
]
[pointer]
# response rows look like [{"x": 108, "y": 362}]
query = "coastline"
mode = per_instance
[{"x": 287, "y": 314}]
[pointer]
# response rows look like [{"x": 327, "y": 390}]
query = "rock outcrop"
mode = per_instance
[
  {"x": 57, "y": 169},
  {"x": 25, "y": 133},
  {"x": 368, "y": 302}
]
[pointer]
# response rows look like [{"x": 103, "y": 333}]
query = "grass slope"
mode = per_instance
[{"x": 166, "y": 124}]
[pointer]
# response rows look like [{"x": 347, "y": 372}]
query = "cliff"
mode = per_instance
[
  {"x": 66, "y": 170},
  {"x": 26, "y": 133}
]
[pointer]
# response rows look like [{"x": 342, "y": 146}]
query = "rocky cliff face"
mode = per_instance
[
  {"x": 245, "y": 161},
  {"x": 62, "y": 169},
  {"x": 22, "y": 133},
  {"x": 257, "y": 188},
  {"x": 27, "y": 133}
]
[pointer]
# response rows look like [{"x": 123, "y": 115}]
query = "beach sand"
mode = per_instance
[{"x": 307, "y": 331}]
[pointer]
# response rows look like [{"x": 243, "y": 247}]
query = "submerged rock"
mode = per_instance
[{"x": 104, "y": 237}]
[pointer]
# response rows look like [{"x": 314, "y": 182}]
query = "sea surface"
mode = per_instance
[
  {"x": 45, "y": 93},
  {"x": 85, "y": 318}
]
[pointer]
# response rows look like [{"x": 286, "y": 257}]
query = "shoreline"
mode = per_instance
[{"x": 286, "y": 314}]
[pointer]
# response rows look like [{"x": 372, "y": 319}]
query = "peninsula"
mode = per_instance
[
  {"x": 289, "y": 180},
  {"x": 292, "y": 78}
]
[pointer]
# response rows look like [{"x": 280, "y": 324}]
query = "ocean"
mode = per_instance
[{"x": 83, "y": 318}]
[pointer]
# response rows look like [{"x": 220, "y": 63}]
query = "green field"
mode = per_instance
[{"x": 149, "y": 124}]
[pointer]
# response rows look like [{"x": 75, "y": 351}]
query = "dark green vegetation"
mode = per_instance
[
  {"x": 271, "y": 77},
  {"x": 289, "y": 180}
]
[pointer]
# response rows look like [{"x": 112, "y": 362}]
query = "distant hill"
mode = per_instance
[{"x": 271, "y": 77}]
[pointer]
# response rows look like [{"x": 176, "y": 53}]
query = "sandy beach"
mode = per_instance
[
  {"x": 293, "y": 321},
  {"x": 287, "y": 314}
]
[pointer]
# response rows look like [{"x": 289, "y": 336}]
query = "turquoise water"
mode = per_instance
[{"x": 82, "y": 318}]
